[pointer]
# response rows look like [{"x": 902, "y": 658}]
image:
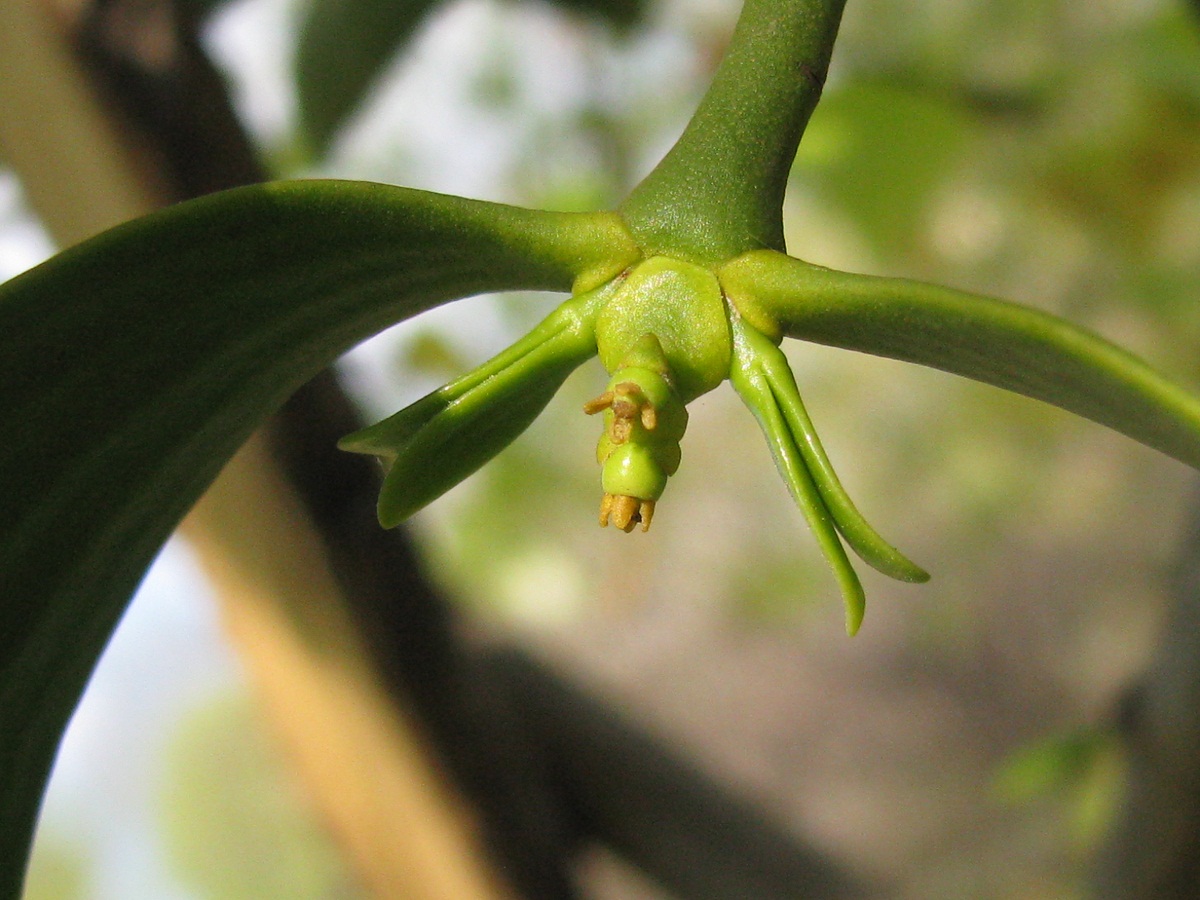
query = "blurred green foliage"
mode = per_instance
[
  {"x": 881, "y": 152},
  {"x": 1076, "y": 774},
  {"x": 59, "y": 871},
  {"x": 234, "y": 821}
]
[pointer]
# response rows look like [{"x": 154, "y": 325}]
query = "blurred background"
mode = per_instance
[{"x": 980, "y": 737}]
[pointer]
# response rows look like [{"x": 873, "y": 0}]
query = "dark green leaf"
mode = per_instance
[
  {"x": 199, "y": 10},
  {"x": 621, "y": 13},
  {"x": 136, "y": 363}
]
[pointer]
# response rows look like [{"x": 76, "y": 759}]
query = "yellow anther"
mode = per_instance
[
  {"x": 598, "y": 404},
  {"x": 646, "y": 513},
  {"x": 627, "y": 403},
  {"x": 625, "y": 512}
]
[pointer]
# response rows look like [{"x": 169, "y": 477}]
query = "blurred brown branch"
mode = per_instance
[{"x": 1154, "y": 850}]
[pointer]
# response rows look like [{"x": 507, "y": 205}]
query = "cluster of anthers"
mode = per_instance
[
  {"x": 628, "y": 404},
  {"x": 644, "y": 419}
]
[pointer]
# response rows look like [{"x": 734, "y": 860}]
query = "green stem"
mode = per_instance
[{"x": 719, "y": 191}]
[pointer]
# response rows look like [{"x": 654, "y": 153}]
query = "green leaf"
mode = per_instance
[
  {"x": 750, "y": 380},
  {"x": 199, "y": 10},
  {"x": 850, "y": 523},
  {"x": 136, "y": 363},
  {"x": 1002, "y": 344},
  {"x": 1044, "y": 766},
  {"x": 619, "y": 13},
  {"x": 448, "y": 434}
]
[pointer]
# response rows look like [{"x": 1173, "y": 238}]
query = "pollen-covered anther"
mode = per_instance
[
  {"x": 628, "y": 404},
  {"x": 625, "y": 512},
  {"x": 598, "y": 404}
]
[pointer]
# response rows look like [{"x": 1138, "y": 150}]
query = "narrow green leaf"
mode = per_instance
[
  {"x": 136, "y": 363},
  {"x": 858, "y": 533},
  {"x": 754, "y": 387},
  {"x": 1002, "y": 344},
  {"x": 435, "y": 443}
]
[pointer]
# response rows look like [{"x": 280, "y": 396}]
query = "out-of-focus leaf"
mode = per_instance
[
  {"x": 135, "y": 364},
  {"x": 1082, "y": 766},
  {"x": 621, "y": 13},
  {"x": 1047, "y": 765},
  {"x": 234, "y": 825},
  {"x": 879, "y": 151},
  {"x": 345, "y": 45},
  {"x": 1002, "y": 344},
  {"x": 199, "y": 10}
]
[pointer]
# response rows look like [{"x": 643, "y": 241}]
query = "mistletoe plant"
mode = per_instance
[{"x": 136, "y": 363}]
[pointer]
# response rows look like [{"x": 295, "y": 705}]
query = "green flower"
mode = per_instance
[{"x": 669, "y": 330}]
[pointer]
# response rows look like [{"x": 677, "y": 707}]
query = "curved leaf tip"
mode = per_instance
[
  {"x": 446, "y": 436},
  {"x": 798, "y": 430},
  {"x": 749, "y": 378}
]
